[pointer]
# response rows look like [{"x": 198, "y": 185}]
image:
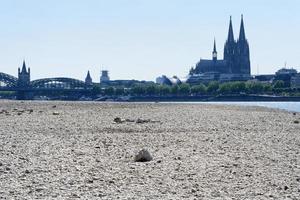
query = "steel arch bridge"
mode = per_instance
[
  {"x": 57, "y": 84},
  {"x": 8, "y": 80}
]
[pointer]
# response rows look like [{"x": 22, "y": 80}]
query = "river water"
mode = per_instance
[{"x": 289, "y": 106}]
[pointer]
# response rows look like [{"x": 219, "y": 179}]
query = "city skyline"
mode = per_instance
[{"x": 138, "y": 39}]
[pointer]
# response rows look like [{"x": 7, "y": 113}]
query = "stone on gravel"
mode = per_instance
[
  {"x": 143, "y": 156},
  {"x": 118, "y": 120},
  {"x": 142, "y": 121}
]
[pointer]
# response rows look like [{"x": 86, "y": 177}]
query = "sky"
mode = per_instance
[{"x": 141, "y": 39}]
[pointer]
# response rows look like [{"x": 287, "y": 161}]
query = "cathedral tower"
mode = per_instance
[
  {"x": 230, "y": 49},
  {"x": 24, "y": 76},
  {"x": 243, "y": 53}
]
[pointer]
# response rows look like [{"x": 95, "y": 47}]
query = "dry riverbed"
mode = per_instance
[{"x": 70, "y": 150}]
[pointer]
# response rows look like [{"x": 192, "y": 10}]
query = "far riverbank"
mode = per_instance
[{"x": 219, "y": 98}]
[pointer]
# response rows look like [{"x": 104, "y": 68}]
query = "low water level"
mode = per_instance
[{"x": 289, "y": 106}]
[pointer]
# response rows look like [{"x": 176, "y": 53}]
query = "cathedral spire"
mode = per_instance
[
  {"x": 230, "y": 32},
  {"x": 242, "y": 31},
  {"x": 215, "y": 48},
  {"x": 24, "y": 70},
  {"x": 88, "y": 75},
  {"x": 215, "y": 53}
]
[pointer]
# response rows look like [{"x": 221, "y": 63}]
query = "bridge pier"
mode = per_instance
[{"x": 24, "y": 95}]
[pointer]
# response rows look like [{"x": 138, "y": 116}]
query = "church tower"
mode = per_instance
[
  {"x": 215, "y": 53},
  {"x": 230, "y": 50},
  {"x": 24, "y": 76},
  {"x": 88, "y": 79},
  {"x": 243, "y": 53}
]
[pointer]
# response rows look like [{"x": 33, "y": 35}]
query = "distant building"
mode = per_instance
[
  {"x": 286, "y": 71},
  {"x": 285, "y": 75},
  {"x": 295, "y": 81},
  {"x": 104, "y": 77},
  {"x": 88, "y": 79},
  {"x": 164, "y": 80},
  {"x": 268, "y": 78},
  {"x": 105, "y": 81},
  {"x": 24, "y": 76},
  {"x": 234, "y": 66}
]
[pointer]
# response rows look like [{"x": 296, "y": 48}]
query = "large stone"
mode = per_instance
[{"x": 143, "y": 156}]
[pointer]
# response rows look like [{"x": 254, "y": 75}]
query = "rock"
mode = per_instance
[
  {"x": 55, "y": 113},
  {"x": 129, "y": 120},
  {"x": 143, "y": 156},
  {"x": 39, "y": 189},
  {"x": 90, "y": 181},
  {"x": 294, "y": 114},
  {"x": 54, "y": 106},
  {"x": 118, "y": 120},
  {"x": 142, "y": 121},
  {"x": 3, "y": 111},
  {"x": 296, "y": 122}
]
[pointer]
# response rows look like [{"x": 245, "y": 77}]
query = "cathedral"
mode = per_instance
[{"x": 236, "y": 61}]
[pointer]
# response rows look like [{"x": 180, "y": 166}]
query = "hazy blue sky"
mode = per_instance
[{"x": 141, "y": 39}]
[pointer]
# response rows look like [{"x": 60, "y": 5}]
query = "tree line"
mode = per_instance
[{"x": 212, "y": 88}]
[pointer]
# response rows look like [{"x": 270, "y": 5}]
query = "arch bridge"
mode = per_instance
[
  {"x": 10, "y": 83},
  {"x": 58, "y": 84},
  {"x": 7, "y": 81}
]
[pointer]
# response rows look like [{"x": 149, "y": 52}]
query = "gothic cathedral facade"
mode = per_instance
[{"x": 236, "y": 56}]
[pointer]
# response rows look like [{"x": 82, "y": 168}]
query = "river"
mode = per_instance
[{"x": 289, "y": 106}]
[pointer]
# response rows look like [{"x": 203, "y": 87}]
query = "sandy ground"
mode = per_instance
[{"x": 67, "y": 150}]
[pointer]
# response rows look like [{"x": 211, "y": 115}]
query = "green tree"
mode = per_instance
[
  {"x": 198, "y": 89},
  {"x": 225, "y": 88},
  {"x": 278, "y": 84},
  {"x": 96, "y": 89},
  {"x": 255, "y": 87},
  {"x": 109, "y": 91},
  {"x": 175, "y": 89},
  {"x": 184, "y": 89},
  {"x": 138, "y": 90},
  {"x": 213, "y": 87},
  {"x": 164, "y": 90},
  {"x": 267, "y": 88},
  {"x": 151, "y": 89},
  {"x": 119, "y": 91},
  {"x": 238, "y": 87}
]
